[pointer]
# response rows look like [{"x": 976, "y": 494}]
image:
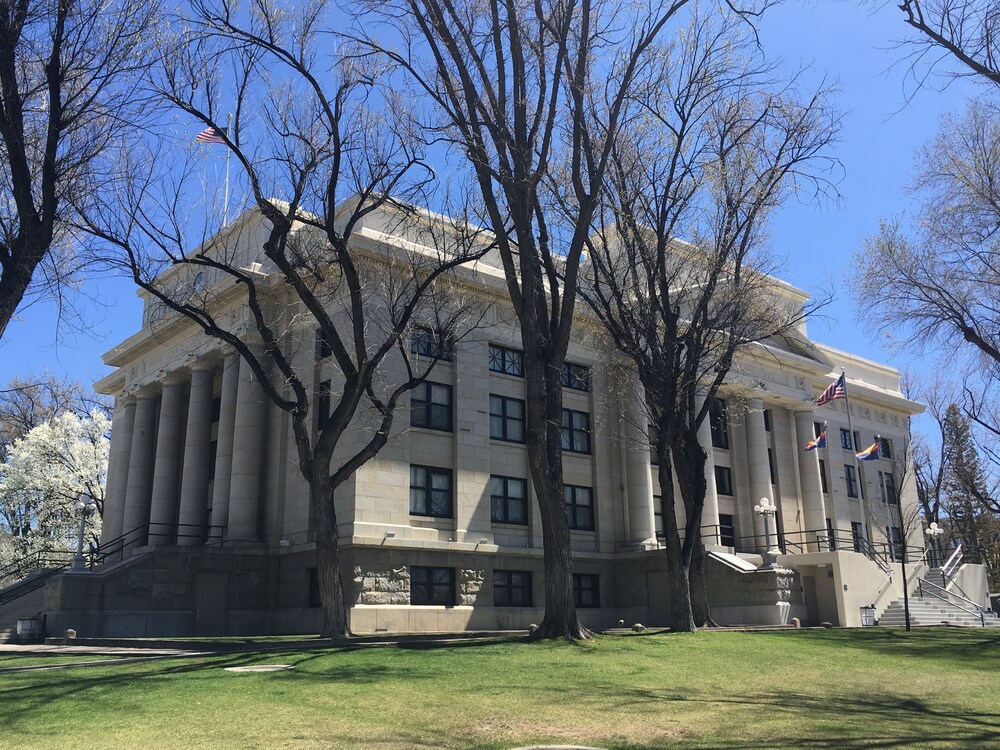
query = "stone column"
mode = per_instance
[
  {"x": 197, "y": 458},
  {"x": 167, "y": 469},
  {"x": 140, "y": 469},
  {"x": 638, "y": 476},
  {"x": 224, "y": 446},
  {"x": 244, "y": 492},
  {"x": 710, "y": 512},
  {"x": 121, "y": 445},
  {"x": 813, "y": 507},
  {"x": 759, "y": 469}
]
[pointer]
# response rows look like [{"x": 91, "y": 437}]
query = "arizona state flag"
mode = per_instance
[
  {"x": 870, "y": 453},
  {"x": 818, "y": 442}
]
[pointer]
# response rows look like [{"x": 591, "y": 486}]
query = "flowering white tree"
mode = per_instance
[{"x": 44, "y": 474}]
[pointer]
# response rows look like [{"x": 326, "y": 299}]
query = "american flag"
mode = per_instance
[
  {"x": 836, "y": 389},
  {"x": 210, "y": 135}
]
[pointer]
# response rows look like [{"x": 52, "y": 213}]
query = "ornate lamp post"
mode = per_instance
[
  {"x": 85, "y": 506},
  {"x": 933, "y": 533},
  {"x": 766, "y": 509}
]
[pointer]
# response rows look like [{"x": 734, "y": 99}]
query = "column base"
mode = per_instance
[
  {"x": 241, "y": 543},
  {"x": 769, "y": 562}
]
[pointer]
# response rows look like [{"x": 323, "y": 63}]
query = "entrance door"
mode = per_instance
[{"x": 210, "y": 601}]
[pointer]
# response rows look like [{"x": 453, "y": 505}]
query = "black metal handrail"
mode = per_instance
[
  {"x": 156, "y": 533},
  {"x": 19, "y": 572},
  {"x": 23, "y": 566},
  {"x": 799, "y": 542},
  {"x": 22, "y": 572}
]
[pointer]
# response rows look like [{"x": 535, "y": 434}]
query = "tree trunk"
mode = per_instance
[
  {"x": 681, "y": 618},
  {"x": 681, "y": 612},
  {"x": 690, "y": 462},
  {"x": 906, "y": 586},
  {"x": 699, "y": 591},
  {"x": 336, "y": 623},
  {"x": 544, "y": 441}
]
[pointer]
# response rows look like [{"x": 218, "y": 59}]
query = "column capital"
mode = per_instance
[
  {"x": 148, "y": 392},
  {"x": 171, "y": 378}
]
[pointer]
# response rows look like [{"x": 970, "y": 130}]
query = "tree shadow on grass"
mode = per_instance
[
  {"x": 853, "y": 722},
  {"x": 976, "y": 648},
  {"x": 26, "y": 700}
]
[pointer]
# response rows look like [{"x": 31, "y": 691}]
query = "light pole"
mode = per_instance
[
  {"x": 85, "y": 506},
  {"x": 934, "y": 532},
  {"x": 766, "y": 509}
]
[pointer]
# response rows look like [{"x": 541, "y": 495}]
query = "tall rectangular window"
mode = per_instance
[
  {"x": 508, "y": 500},
  {"x": 770, "y": 465},
  {"x": 506, "y": 418},
  {"x": 430, "y": 491},
  {"x": 430, "y": 406},
  {"x": 723, "y": 480},
  {"x": 719, "y": 421},
  {"x": 323, "y": 400},
  {"x": 831, "y": 535},
  {"x": 896, "y": 543},
  {"x": 885, "y": 447},
  {"x": 887, "y": 487},
  {"x": 822, "y": 476},
  {"x": 817, "y": 429},
  {"x": 323, "y": 348},
  {"x": 506, "y": 361},
  {"x": 432, "y": 342},
  {"x": 576, "y": 377},
  {"x": 767, "y": 420},
  {"x": 575, "y": 431},
  {"x": 586, "y": 590},
  {"x": 432, "y": 585},
  {"x": 727, "y": 530},
  {"x": 858, "y": 536},
  {"x": 845, "y": 439},
  {"x": 579, "y": 507},
  {"x": 511, "y": 588},
  {"x": 851, "y": 479}
]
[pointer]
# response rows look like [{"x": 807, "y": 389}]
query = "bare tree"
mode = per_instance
[
  {"x": 966, "y": 30},
  {"x": 933, "y": 279},
  {"x": 338, "y": 151},
  {"x": 533, "y": 93},
  {"x": 708, "y": 154},
  {"x": 67, "y": 93},
  {"x": 956, "y": 484}
]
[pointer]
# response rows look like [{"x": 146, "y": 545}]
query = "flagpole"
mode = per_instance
[
  {"x": 865, "y": 500},
  {"x": 229, "y": 151},
  {"x": 832, "y": 545}
]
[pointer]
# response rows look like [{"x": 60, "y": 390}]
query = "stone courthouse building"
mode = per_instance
[{"x": 208, "y": 529}]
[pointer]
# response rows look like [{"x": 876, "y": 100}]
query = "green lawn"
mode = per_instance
[{"x": 873, "y": 688}]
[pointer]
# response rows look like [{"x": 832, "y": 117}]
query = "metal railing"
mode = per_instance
[
  {"x": 29, "y": 573},
  {"x": 972, "y": 609},
  {"x": 156, "y": 533},
  {"x": 817, "y": 540},
  {"x": 19, "y": 577},
  {"x": 953, "y": 563}
]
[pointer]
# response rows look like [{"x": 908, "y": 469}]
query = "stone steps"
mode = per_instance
[{"x": 935, "y": 612}]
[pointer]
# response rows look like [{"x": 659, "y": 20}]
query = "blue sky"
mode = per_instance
[{"x": 886, "y": 119}]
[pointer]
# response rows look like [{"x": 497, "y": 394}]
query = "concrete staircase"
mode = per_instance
[{"x": 929, "y": 609}]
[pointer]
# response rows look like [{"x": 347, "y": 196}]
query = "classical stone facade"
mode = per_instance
[{"x": 440, "y": 531}]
